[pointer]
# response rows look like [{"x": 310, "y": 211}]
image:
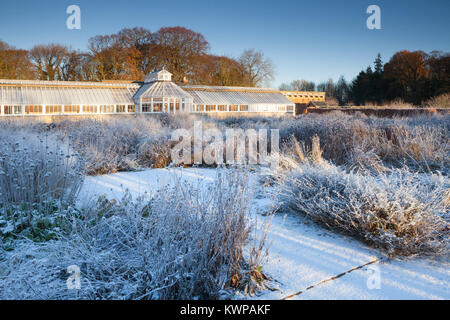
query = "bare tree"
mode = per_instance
[
  {"x": 409, "y": 70},
  {"x": 178, "y": 49},
  {"x": 342, "y": 91},
  {"x": 285, "y": 87},
  {"x": 140, "y": 39},
  {"x": 105, "y": 56},
  {"x": 115, "y": 58},
  {"x": 302, "y": 85},
  {"x": 15, "y": 64},
  {"x": 49, "y": 60},
  {"x": 4, "y": 46},
  {"x": 136, "y": 37},
  {"x": 257, "y": 69},
  {"x": 78, "y": 66},
  {"x": 217, "y": 71}
]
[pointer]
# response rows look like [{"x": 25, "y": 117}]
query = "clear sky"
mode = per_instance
[{"x": 313, "y": 40}]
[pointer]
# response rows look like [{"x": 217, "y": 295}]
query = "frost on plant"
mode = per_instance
[
  {"x": 40, "y": 178},
  {"x": 185, "y": 242}
]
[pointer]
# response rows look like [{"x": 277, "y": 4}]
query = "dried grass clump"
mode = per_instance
[
  {"x": 295, "y": 152},
  {"x": 398, "y": 104},
  {"x": 111, "y": 144},
  {"x": 331, "y": 102},
  {"x": 187, "y": 242},
  {"x": 421, "y": 143},
  {"x": 439, "y": 102},
  {"x": 401, "y": 212},
  {"x": 124, "y": 143},
  {"x": 155, "y": 152}
]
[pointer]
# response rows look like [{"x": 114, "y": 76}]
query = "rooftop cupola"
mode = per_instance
[{"x": 161, "y": 75}]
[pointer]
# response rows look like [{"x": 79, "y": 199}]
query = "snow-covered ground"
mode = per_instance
[{"x": 302, "y": 254}]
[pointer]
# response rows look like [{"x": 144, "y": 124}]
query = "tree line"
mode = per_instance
[
  {"x": 132, "y": 53},
  {"x": 413, "y": 77}
]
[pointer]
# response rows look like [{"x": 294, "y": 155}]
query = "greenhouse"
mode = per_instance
[
  {"x": 238, "y": 99},
  {"x": 159, "y": 94},
  {"x": 156, "y": 94},
  {"x": 54, "y": 97}
]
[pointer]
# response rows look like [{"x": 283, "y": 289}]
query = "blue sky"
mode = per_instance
[{"x": 313, "y": 40}]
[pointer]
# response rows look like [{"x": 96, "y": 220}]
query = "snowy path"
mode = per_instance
[{"x": 302, "y": 254}]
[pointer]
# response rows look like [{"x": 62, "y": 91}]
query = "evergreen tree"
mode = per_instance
[{"x": 378, "y": 64}]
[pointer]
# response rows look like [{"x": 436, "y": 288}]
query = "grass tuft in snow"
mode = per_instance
[
  {"x": 402, "y": 212},
  {"x": 39, "y": 180},
  {"x": 186, "y": 242}
]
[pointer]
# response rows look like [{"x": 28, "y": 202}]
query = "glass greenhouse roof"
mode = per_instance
[
  {"x": 14, "y": 92},
  {"x": 211, "y": 95},
  {"x": 18, "y": 92},
  {"x": 161, "y": 89}
]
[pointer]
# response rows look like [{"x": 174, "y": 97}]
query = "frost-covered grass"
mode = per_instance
[
  {"x": 440, "y": 102},
  {"x": 186, "y": 242},
  {"x": 111, "y": 144},
  {"x": 401, "y": 212},
  {"x": 39, "y": 179},
  {"x": 384, "y": 181},
  {"x": 421, "y": 143},
  {"x": 122, "y": 143}
]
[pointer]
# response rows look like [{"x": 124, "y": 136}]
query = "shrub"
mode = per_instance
[
  {"x": 331, "y": 102},
  {"x": 421, "y": 143},
  {"x": 39, "y": 178},
  {"x": 110, "y": 144},
  {"x": 439, "y": 102},
  {"x": 398, "y": 104},
  {"x": 401, "y": 212},
  {"x": 155, "y": 152},
  {"x": 119, "y": 143},
  {"x": 186, "y": 242}
]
